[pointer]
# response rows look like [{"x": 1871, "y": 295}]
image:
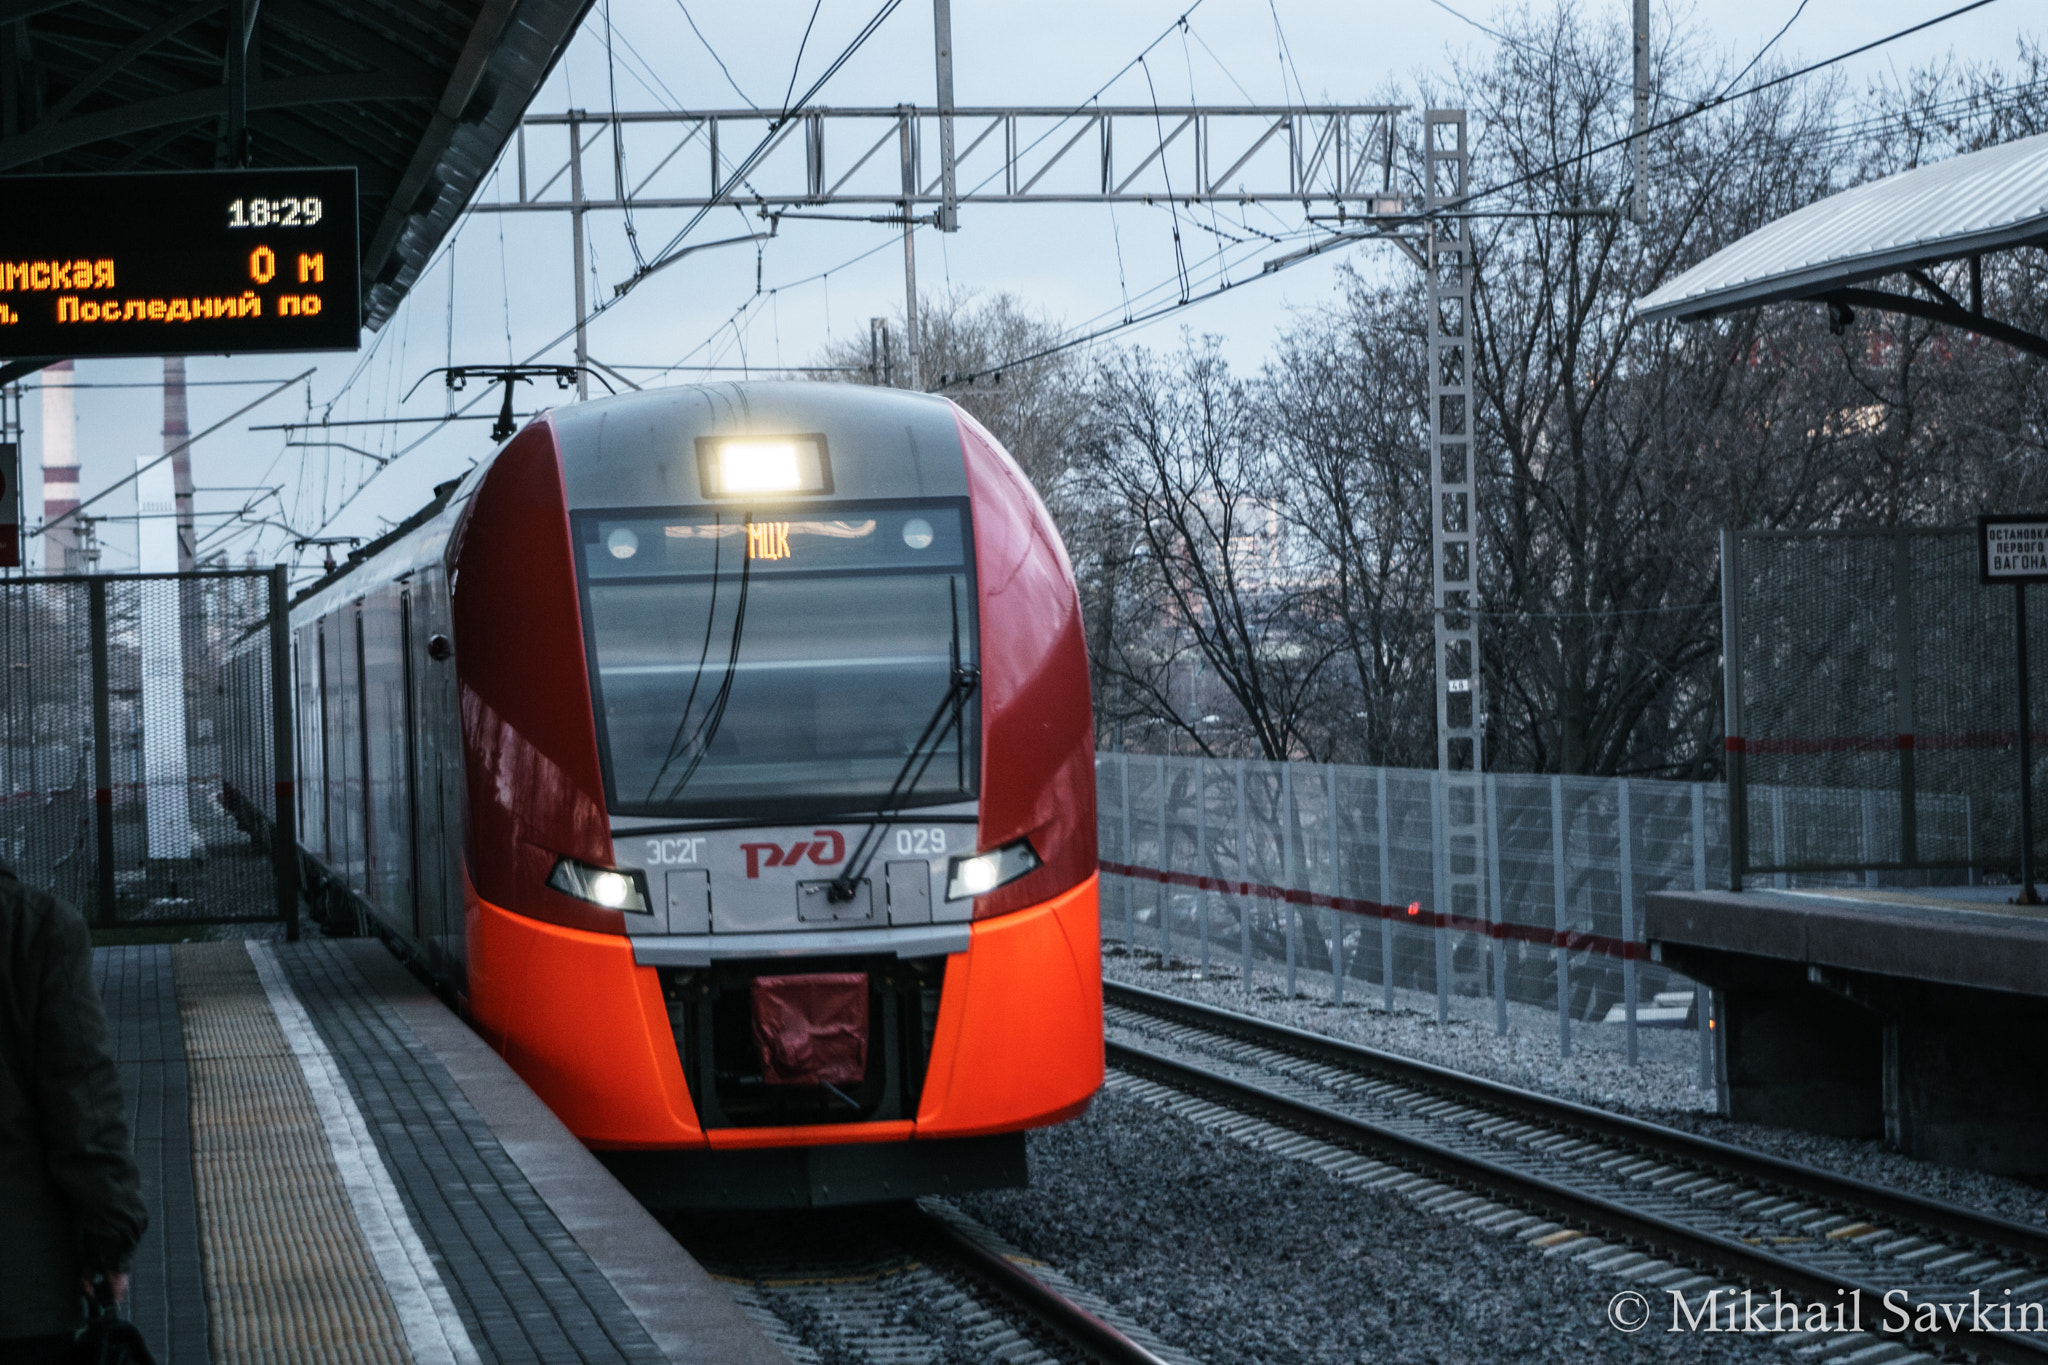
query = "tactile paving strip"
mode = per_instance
[
  {"x": 524, "y": 1289},
  {"x": 288, "y": 1277}
]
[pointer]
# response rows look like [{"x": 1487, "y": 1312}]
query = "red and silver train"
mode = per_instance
[{"x": 726, "y": 752}]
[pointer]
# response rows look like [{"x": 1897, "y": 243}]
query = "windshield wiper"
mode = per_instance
[
  {"x": 714, "y": 712},
  {"x": 946, "y": 718}
]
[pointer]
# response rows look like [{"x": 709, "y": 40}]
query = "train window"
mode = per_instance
[{"x": 813, "y": 691}]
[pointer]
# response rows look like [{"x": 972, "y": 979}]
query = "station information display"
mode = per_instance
[{"x": 179, "y": 263}]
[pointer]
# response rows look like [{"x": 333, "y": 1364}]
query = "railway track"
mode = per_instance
[
  {"x": 1648, "y": 1191},
  {"x": 910, "y": 1283}
]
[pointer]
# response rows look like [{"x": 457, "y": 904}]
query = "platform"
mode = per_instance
[
  {"x": 338, "y": 1169},
  {"x": 1916, "y": 1015}
]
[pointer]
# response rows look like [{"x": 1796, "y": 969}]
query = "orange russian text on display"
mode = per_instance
[{"x": 37, "y": 276}]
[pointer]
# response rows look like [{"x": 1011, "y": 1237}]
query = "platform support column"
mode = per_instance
[
  {"x": 102, "y": 752},
  {"x": 284, "y": 818}
]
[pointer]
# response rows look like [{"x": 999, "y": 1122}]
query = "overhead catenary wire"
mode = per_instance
[
  {"x": 1132, "y": 319},
  {"x": 1344, "y": 238}
]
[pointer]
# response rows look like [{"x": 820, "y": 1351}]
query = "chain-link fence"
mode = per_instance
[
  {"x": 135, "y": 779},
  {"x": 1871, "y": 703},
  {"x": 1330, "y": 878}
]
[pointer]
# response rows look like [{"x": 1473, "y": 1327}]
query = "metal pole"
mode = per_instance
[
  {"x": 1244, "y": 876},
  {"x": 2027, "y": 894},
  {"x": 102, "y": 749},
  {"x": 1557, "y": 906},
  {"x": 241, "y": 18},
  {"x": 284, "y": 820},
  {"x": 907, "y": 136},
  {"x": 1386, "y": 901},
  {"x": 1905, "y": 652},
  {"x": 1628, "y": 919},
  {"x": 1500, "y": 942},
  {"x": 1202, "y": 856},
  {"x": 1701, "y": 996},
  {"x": 1336, "y": 887},
  {"x": 1163, "y": 900},
  {"x": 942, "y": 35},
  {"x": 1731, "y": 707},
  {"x": 1292, "y": 924},
  {"x": 1639, "y": 201},
  {"x": 1123, "y": 763},
  {"x": 1438, "y": 932},
  {"x": 576, "y": 233}
]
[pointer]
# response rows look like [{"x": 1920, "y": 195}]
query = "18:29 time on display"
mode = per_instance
[{"x": 245, "y": 213}]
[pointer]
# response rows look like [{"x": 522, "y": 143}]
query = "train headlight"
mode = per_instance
[
  {"x": 599, "y": 885},
  {"x": 977, "y": 874},
  {"x": 737, "y": 467}
]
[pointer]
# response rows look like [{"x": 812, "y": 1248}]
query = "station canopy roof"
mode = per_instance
[
  {"x": 420, "y": 96},
  {"x": 1963, "y": 207}
]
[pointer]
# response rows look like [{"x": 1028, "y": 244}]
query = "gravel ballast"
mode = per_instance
[
  {"x": 1663, "y": 1087},
  {"x": 1235, "y": 1255}
]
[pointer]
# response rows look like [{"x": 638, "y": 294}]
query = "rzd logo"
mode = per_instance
[{"x": 829, "y": 848}]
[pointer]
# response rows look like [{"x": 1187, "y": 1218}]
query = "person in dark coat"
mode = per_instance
[{"x": 70, "y": 1196}]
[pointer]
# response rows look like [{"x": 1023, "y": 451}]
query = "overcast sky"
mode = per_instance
[{"x": 511, "y": 274}]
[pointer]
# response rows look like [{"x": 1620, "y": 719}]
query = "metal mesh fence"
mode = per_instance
[
  {"x": 46, "y": 711},
  {"x": 122, "y": 736},
  {"x": 1872, "y": 702},
  {"x": 1328, "y": 879}
]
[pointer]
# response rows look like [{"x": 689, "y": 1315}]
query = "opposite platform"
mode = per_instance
[
  {"x": 1919, "y": 1015},
  {"x": 338, "y": 1169}
]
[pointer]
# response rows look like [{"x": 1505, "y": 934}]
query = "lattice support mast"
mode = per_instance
[{"x": 1454, "y": 527}]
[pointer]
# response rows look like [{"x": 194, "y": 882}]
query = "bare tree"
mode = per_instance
[
  {"x": 994, "y": 357},
  {"x": 1344, "y": 398},
  {"x": 1179, "y": 460}
]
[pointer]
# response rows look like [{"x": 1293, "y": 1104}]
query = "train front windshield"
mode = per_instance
[{"x": 744, "y": 666}]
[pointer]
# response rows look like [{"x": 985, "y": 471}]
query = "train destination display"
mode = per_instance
[{"x": 199, "y": 262}]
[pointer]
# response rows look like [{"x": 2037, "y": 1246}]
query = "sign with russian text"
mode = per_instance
[
  {"x": 179, "y": 263},
  {"x": 2013, "y": 547}
]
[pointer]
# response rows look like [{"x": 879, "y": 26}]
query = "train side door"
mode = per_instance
[
  {"x": 438, "y": 776},
  {"x": 387, "y": 773},
  {"x": 418, "y": 892}
]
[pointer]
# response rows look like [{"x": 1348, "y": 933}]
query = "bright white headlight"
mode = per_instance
[
  {"x": 758, "y": 467},
  {"x": 598, "y": 885},
  {"x": 754, "y": 466},
  {"x": 977, "y": 874}
]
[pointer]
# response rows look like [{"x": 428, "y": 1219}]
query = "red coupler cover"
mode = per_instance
[{"x": 812, "y": 1030}]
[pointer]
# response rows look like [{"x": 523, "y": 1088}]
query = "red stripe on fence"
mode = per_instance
[{"x": 1413, "y": 913}]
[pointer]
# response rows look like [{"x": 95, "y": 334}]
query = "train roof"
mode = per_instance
[{"x": 638, "y": 449}]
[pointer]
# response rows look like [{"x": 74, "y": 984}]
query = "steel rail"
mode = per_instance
[
  {"x": 1694, "y": 1245},
  {"x": 1074, "y": 1325},
  {"x": 1719, "y": 1157}
]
